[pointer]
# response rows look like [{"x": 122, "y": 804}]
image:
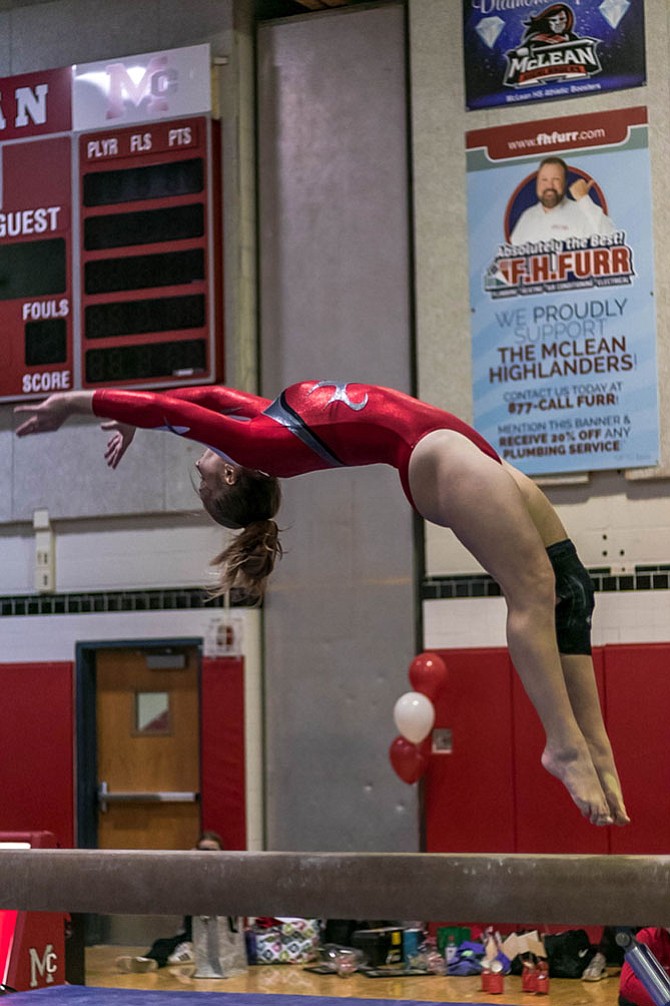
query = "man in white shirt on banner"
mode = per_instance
[{"x": 559, "y": 215}]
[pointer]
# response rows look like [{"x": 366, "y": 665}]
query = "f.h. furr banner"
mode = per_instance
[{"x": 561, "y": 285}]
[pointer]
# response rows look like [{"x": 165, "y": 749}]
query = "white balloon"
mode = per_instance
[{"x": 414, "y": 715}]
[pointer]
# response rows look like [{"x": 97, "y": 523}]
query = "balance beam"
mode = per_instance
[{"x": 553, "y": 889}]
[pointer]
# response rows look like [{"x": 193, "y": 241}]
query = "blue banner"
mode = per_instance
[
  {"x": 561, "y": 284},
  {"x": 537, "y": 51}
]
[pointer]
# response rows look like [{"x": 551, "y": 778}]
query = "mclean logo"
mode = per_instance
[
  {"x": 155, "y": 86},
  {"x": 555, "y": 62},
  {"x": 550, "y": 50},
  {"x": 46, "y": 965}
]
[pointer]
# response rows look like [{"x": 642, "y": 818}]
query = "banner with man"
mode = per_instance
[{"x": 561, "y": 284}]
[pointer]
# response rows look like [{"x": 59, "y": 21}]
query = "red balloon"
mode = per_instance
[
  {"x": 428, "y": 674},
  {"x": 409, "y": 761}
]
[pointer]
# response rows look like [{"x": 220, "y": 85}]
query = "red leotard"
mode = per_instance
[{"x": 310, "y": 426}]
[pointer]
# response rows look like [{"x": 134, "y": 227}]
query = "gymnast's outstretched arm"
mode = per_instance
[
  {"x": 216, "y": 398},
  {"x": 220, "y": 398},
  {"x": 151, "y": 410},
  {"x": 49, "y": 415},
  {"x": 53, "y": 411}
]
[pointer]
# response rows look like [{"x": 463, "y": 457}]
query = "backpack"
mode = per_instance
[{"x": 568, "y": 953}]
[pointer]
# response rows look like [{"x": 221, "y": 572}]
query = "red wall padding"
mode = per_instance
[
  {"x": 492, "y": 794},
  {"x": 547, "y": 819},
  {"x": 222, "y": 785},
  {"x": 469, "y": 794},
  {"x": 498, "y": 741},
  {"x": 37, "y": 749},
  {"x": 637, "y": 702}
]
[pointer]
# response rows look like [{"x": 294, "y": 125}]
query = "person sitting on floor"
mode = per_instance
[
  {"x": 609, "y": 953},
  {"x": 177, "y": 949}
]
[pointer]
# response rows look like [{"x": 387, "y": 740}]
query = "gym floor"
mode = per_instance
[{"x": 101, "y": 972}]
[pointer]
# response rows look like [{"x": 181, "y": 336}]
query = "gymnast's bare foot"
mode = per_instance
[
  {"x": 603, "y": 763},
  {"x": 610, "y": 785},
  {"x": 577, "y": 773}
]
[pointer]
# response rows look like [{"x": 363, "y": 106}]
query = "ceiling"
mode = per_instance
[
  {"x": 263, "y": 9},
  {"x": 266, "y": 9},
  {"x": 325, "y": 4}
]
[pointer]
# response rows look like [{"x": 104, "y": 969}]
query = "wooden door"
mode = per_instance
[{"x": 147, "y": 721}]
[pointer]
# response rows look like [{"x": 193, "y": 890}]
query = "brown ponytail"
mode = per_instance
[
  {"x": 250, "y": 503},
  {"x": 248, "y": 561}
]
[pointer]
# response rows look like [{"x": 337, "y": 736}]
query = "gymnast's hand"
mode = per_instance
[
  {"x": 49, "y": 415},
  {"x": 119, "y": 442}
]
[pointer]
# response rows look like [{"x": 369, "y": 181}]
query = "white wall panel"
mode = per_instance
[{"x": 620, "y": 617}]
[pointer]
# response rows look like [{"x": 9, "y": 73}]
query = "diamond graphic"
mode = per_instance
[
  {"x": 613, "y": 11},
  {"x": 489, "y": 28}
]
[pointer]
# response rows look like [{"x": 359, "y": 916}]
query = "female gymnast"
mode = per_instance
[{"x": 450, "y": 475}]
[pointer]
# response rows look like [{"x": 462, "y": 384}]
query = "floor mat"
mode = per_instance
[{"x": 78, "y": 995}]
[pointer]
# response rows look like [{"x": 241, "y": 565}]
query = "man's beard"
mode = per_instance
[{"x": 550, "y": 198}]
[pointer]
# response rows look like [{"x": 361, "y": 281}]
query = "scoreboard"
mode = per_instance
[{"x": 110, "y": 226}]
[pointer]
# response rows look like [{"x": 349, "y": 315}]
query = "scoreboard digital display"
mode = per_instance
[
  {"x": 36, "y": 267},
  {"x": 110, "y": 244}
]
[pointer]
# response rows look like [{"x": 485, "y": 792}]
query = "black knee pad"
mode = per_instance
[{"x": 576, "y": 601}]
